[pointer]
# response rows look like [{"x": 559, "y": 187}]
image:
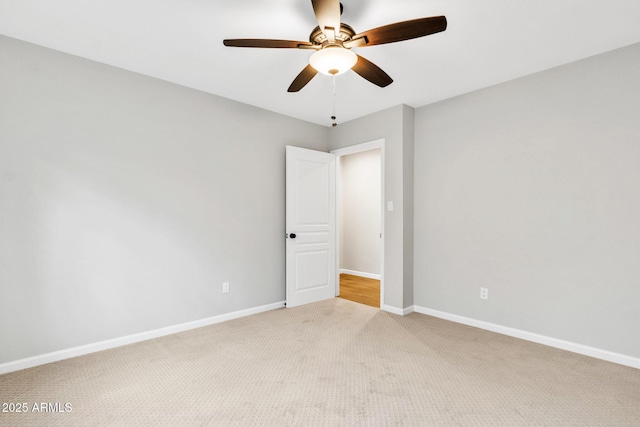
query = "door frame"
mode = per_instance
[{"x": 352, "y": 149}]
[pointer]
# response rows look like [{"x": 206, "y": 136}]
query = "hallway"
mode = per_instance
[{"x": 360, "y": 289}]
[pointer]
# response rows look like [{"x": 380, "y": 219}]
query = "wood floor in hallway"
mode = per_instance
[{"x": 360, "y": 289}]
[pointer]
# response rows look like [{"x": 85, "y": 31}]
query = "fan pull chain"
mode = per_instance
[{"x": 333, "y": 117}]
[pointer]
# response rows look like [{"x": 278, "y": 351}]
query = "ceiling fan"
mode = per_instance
[{"x": 332, "y": 41}]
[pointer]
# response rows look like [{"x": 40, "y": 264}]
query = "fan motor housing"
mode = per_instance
[{"x": 317, "y": 36}]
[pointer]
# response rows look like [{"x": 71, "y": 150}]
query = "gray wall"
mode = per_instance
[
  {"x": 360, "y": 188},
  {"x": 126, "y": 201},
  {"x": 532, "y": 189},
  {"x": 389, "y": 124}
]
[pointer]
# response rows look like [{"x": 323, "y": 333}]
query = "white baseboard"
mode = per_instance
[
  {"x": 609, "y": 356},
  {"x": 398, "y": 311},
  {"x": 360, "y": 274},
  {"x": 130, "y": 339}
]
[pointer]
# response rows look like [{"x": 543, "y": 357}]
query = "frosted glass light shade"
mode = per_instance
[{"x": 333, "y": 60}]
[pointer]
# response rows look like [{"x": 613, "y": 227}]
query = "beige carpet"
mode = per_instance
[{"x": 330, "y": 363}]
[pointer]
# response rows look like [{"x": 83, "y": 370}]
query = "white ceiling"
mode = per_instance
[{"x": 486, "y": 42}]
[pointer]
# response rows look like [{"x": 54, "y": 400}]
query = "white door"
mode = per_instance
[{"x": 310, "y": 226}]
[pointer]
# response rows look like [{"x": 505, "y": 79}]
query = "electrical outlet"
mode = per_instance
[
  {"x": 484, "y": 293},
  {"x": 225, "y": 288}
]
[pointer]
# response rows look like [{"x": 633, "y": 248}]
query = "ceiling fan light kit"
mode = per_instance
[{"x": 333, "y": 60}]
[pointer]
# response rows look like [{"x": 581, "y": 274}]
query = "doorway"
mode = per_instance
[{"x": 360, "y": 223}]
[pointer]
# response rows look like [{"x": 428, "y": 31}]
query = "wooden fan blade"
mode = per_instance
[
  {"x": 282, "y": 44},
  {"x": 328, "y": 16},
  {"x": 405, "y": 30},
  {"x": 372, "y": 72},
  {"x": 303, "y": 78}
]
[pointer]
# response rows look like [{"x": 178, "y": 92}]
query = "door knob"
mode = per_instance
[{"x": 292, "y": 235}]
